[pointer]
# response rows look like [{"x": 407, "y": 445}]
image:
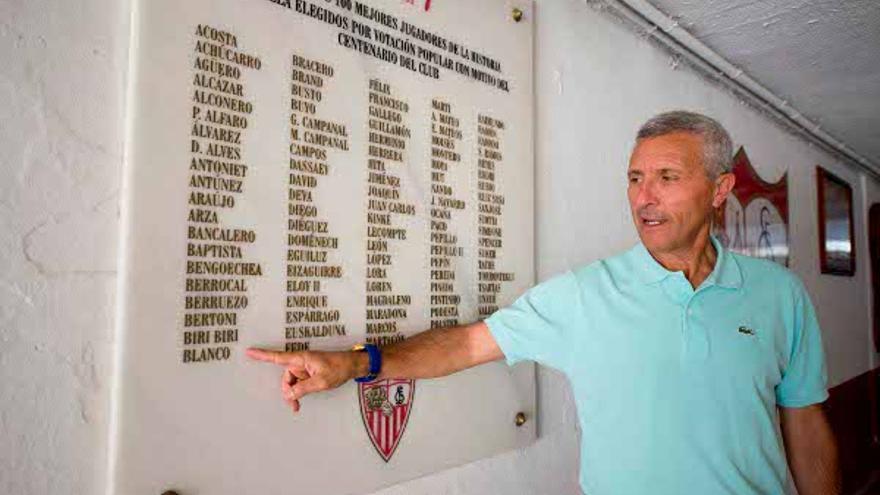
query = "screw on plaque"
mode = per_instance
[
  {"x": 517, "y": 14},
  {"x": 520, "y": 418}
]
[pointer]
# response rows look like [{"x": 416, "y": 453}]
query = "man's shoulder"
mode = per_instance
[
  {"x": 618, "y": 268},
  {"x": 763, "y": 273}
]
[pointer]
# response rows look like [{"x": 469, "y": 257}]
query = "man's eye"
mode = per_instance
[
  {"x": 669, "y": 178},
  {"x": 633, "y": 179}
]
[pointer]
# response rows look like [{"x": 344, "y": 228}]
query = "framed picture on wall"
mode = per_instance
[{"x": 837, "y": 255}]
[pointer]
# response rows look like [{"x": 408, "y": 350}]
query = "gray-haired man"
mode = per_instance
[{"x": 682, "y": 356}]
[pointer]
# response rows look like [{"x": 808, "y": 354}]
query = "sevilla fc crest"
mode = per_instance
[{"x": 385, "y": 408}]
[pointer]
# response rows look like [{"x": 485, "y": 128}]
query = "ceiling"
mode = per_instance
[{"x": 821, "y": 56}]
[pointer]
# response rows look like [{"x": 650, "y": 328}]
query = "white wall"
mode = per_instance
[
  {"x": 62, "y": 66},
  {"x": 62, "y": 69}
]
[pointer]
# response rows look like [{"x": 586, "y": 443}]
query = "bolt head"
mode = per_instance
[{"x": 517, "y": 14}]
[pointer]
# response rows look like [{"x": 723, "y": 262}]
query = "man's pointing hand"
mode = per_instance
[{"x": 308, "y": 372}]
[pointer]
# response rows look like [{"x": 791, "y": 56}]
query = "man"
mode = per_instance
[{"x": 684, "y": 358}]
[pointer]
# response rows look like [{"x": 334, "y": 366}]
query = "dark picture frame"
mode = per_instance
[{"x": 837, "y": 249}]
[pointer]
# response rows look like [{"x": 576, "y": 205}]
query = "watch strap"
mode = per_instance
[{"x": 375, "y": 356}]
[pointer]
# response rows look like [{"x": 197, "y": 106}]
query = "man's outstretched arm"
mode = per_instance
[{"x": 430, "y": 354}]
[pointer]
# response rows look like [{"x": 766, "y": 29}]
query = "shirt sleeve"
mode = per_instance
[
  {"x": 805, "y": 379},
  {"x": 539, "y": 325}
]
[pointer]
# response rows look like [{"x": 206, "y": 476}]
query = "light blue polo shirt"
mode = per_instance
[{"x": 676, "y": 388}]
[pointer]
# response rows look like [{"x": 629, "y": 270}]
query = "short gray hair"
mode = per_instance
[{"x": 717, "y": 147}]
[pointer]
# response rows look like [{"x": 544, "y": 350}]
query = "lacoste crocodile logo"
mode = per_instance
[{"x": 746, "y": 331}]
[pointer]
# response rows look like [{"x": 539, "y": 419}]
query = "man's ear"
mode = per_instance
[{"x": 723, "y": 185}]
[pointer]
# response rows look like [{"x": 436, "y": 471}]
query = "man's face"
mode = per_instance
[{"x": 670, "y": 195}]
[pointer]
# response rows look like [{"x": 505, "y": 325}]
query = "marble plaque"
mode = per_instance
[{"x": 312, "y": 175}]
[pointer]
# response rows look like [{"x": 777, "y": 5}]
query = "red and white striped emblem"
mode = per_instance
[{"x": 385, "y": 408}]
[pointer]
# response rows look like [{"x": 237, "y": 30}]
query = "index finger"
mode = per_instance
[{"x": 265, "y": 355}]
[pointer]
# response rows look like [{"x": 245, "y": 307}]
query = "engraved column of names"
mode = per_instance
[
  {"x": 388, "y": 139},
  {"x": 310, "y": 242},
  {"x": 445, "y": 206},
  {"x": 491, "y": 205},
  {"x": 217, "y": 271}
]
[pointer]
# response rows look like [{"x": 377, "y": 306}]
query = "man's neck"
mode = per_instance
[{"x": 696, "y": 262}]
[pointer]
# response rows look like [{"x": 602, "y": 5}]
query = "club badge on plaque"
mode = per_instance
[{"x": 385, "y": 409}]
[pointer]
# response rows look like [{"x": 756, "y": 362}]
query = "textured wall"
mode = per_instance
[
  {"x": 62, "y": 66},
  {"x": 815, "y": 54},
  {"x": 62, "y": 69}
]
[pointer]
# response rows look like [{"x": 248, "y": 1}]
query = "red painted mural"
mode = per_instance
[{"x": 754, "y": 219}]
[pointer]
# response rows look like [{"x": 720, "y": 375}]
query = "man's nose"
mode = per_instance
[{"x": 646, "y": 193}]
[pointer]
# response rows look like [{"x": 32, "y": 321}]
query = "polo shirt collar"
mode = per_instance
[{"x": 726, "y": 272}]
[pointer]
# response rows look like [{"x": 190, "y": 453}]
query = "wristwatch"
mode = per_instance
[{"x": 375, "y": 361}]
